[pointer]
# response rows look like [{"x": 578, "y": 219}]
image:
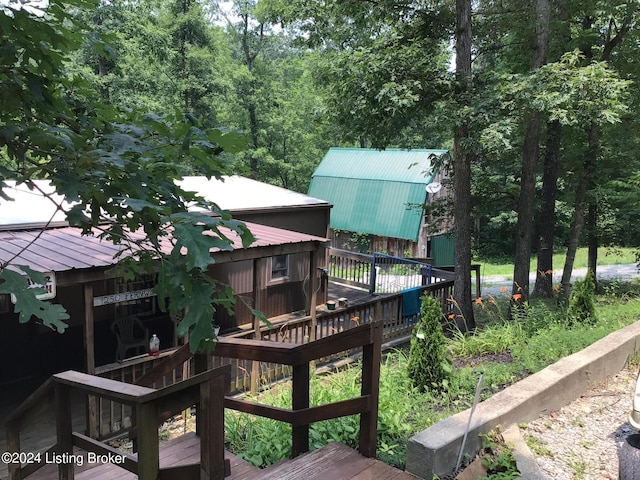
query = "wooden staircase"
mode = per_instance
[{"x": 203, "y": 456}]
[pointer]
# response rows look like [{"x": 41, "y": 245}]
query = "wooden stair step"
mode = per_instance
[{"x": 334, "y": 461}]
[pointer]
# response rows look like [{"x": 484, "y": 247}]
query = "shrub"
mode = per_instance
[
  {"x": 582, "y": 308},
  {"x": 428, "y": 367}
]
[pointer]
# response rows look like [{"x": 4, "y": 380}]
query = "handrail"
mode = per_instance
[
  {"x": 30, "y": 401},
  {"x": 18, "y": 417},
  {"x": 207, "y": 389},
  {"x": 368, "y": 336},
  {"x": 164, "y": 366}
]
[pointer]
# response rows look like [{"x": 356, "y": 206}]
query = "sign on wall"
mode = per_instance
[
  {"x": 49, "y": 287},
  {"x": 123, "y": 297}
]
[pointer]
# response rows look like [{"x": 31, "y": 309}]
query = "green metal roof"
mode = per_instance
[{"x": 372, "y": 190}]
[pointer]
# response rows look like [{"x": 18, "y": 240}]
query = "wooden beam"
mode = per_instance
[
  {"x": 267, "y": 251},
  {"x": 64, "y": 431},
  {"x": 104, "y": 387},
  {"x": 148, "y": 448},
  {"x": 352, "y": 406},
  {"x": 304, "y": 416},
  {"x": 21, "y": 415},
  {"x": 275, "y": 413},
  {"x": 212, "y": 462},
  {"x": 31, "y": 468},
  {"x": 89, "y": 341},
  {"x": 300, "y": 401},
  {"x": 130, "y": 462},
  {"x": 371, "y": 358},
  {"x": 90, "y": 359},
  {"x": 313, "y": 291},
  {"x": 249, "y": 349},
  {"x": 259, "y": 292},
  {"x": 164, "y": 366},
  {"x": 13, "y": 446}
]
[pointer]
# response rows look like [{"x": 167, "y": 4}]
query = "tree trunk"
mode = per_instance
[
  {"x": 578, "y": 216},
  {"x": 547, "y": 221},
  {"x": 462, "y": 174},
  {"x": 526, "y": 208},
  {"x": 530, "y": 152},
  {"x": 592, "y": 240}
]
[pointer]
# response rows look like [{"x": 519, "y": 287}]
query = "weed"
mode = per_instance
[
  {"x": 498, "y": 458},
  {"x": 587, "y": 443},
  {"x": 538, "y": 446},
  {"x": 578, "y": 422},
  {"x": 579, "y": 468}
]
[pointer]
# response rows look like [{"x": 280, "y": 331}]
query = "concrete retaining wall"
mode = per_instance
[{"x": 435, "y": 450}]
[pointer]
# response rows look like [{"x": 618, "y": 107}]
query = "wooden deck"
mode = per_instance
[
  {"x": 332, "y": 462},
  {"x": 184, "y": 450}
]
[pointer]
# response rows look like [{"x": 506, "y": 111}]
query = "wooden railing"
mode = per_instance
[
  {"x": 114, "y": 418},
  {"x": 299, "y": 357},
  {"x": 108, "y": 418},
  {"x": 383, "y": 274},
  {"x": 386, "y": 308},
  {"x": 350, "y": 268},
  {"x": 151, "y": 407}
]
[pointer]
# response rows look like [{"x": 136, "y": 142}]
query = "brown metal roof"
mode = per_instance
[{"x": 63, "y": 249}]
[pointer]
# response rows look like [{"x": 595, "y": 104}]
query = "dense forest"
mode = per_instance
[{"x": 537, "y": 101}]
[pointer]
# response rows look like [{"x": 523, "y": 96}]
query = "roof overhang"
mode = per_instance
[{"x": 77, "y": 258}]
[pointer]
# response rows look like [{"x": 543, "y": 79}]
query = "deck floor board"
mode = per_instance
[{"x": 332, "y": 462}]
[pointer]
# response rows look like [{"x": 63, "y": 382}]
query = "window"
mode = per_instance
[{"x": 279, "y": 267}]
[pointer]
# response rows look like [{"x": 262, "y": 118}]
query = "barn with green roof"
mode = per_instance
[{"x": 378, "y": 198}]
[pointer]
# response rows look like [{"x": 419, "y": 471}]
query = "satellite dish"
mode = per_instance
[{"x": 433, "y": 187}]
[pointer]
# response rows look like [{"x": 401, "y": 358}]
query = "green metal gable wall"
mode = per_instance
[{"x": 371, "y": 190}]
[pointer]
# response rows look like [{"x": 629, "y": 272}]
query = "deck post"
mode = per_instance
[
  {"x": 371, "y": 357},
  {"x": 259, "y": 291},
  {"x": 90, "y": 363},
  {"x": 148, "y": 448},
  {"x": 300, "y": 400},
  {"x": 212, "y": 462},
  {"x": 200, "y": 364},
  {"x": 13, "y": 446},
  {"x": 64, "y": 432},
  {"x": 313, "y": 290}
]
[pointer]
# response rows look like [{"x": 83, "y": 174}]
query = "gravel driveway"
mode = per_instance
[{"x": 582, "y": 439}]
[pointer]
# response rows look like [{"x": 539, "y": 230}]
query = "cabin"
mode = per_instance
[
  {"x": 379, "y": 199},
  {"x": 290, "y": 228}
]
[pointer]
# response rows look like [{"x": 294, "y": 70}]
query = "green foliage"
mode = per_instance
[
  {"x": 498, "y": 458},
  {"x": 428, "y": 367},
  {"x": 27, "y": 305},
  {"x": 116, "y": 168},
  {"x": 581, "y": 307},
  {"x": 403, "y": 409}
]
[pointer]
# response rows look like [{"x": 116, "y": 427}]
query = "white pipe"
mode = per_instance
[{"x": 634, "y": 416}]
